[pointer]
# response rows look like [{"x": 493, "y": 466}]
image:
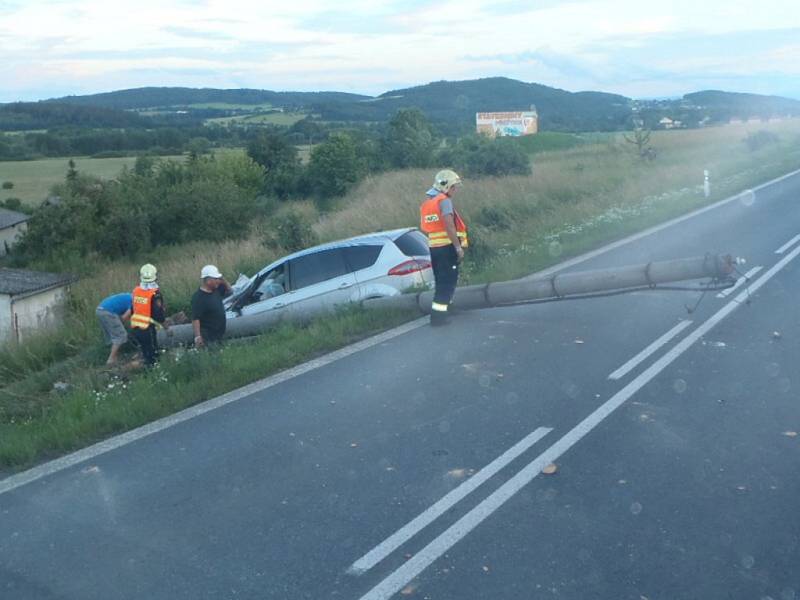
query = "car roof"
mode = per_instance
[{"x": 379, "y": 237}]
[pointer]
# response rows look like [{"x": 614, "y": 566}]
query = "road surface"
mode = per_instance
[{"x": 410, "y": 465}]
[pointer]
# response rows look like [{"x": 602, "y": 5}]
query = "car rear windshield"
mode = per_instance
[
  {"x": 413, "y": 243},
  {"x": 361, "y": 257}
]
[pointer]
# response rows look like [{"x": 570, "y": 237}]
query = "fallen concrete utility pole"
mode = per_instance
[{"x": 554, "y": 287}]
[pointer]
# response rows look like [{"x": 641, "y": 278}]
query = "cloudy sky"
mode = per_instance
[{"x": 640, "y": 48}]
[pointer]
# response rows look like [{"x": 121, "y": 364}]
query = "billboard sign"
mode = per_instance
[{"x": 513, "y": 123}]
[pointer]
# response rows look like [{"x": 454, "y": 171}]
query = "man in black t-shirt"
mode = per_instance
[{"x": 208, "y": 312}]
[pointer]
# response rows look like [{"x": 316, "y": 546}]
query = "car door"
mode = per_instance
[
  {"x": 267, "y": 292},
  {"x": 320, "y": 280},
  {"x": 361, "y": 260}
]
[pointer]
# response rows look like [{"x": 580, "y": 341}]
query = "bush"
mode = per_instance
[
  {"x": 280, "y": 161},
  {"x": 478, "y": 155},
  {"x": 479, "y": 253},
  {"x": 293, "y": 232},
  {"x": 156, "y": 203},
  {"x": 409, "y": 141},
  {"x": 12, "y": 203},
  {"x": 334, "y": 167},
  {"x": 493, "y": 218},
  {"x": 759, "y": 139},
  {"x": 111, "y": 154},
  {"x": 8, "y": 185}
]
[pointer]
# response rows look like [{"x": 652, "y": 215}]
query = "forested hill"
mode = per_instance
[
  {"x": 458, "y": 101},
  {"x": 740, "y": 105},
  {"x": 156, "y": 97},
  {"x": 19, "y": 116},
  {"x": 450, "y": 105}
]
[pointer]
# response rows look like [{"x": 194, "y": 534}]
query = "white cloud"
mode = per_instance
[{"x": 371, "y": 45}]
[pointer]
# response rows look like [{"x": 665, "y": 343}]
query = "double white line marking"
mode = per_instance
[
  {"x": 788, "y": 245},
  {"x": 382, "y": 550},
  {"x": 746, "y": 277},
  {"x": 644, "y": 354},
  {"x": 442, "y": 543}
]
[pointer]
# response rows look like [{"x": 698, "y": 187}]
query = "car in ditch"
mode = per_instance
[{"x": 375, "y": 265}]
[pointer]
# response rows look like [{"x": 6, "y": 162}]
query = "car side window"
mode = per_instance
[
  {"x": 316, "y": 267},
  {"x": 361, "y": 257},
  {"x": 271, "y": 285}
]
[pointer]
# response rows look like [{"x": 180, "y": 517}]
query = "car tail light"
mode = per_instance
[{"x": 410, "y": 266}]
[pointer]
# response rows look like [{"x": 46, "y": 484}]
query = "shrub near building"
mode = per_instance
[{"x": 158, "y": 202}]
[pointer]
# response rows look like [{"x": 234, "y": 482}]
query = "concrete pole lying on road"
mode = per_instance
[
  {"x": 565, "y": 285},
  {"x": 560, "y": 285}
]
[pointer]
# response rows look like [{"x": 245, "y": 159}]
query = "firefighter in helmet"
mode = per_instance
[
  {"x": 447, "y": 238},
  {"x": 148, "y": 313}
]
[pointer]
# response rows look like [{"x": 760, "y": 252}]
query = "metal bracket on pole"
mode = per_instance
[
  {"x": 486, "y": 297},
  {"x": 556, "y": 294},
  {"x": 650, "y": 283}
]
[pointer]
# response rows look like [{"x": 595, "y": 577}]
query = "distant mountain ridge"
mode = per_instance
[
  {"x": 458, "y": 101},
  {"x": 153, "y": 97},
  {"x": 738, "y": 100},
  {"x": 451, "y": 105}
]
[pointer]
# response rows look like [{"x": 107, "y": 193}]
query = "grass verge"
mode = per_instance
[{"x": 101, "y": 403}]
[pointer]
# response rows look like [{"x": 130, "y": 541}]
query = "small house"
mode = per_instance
[
  {"x": 30, "y": 301},
  {"x": 12, "y": 225}
]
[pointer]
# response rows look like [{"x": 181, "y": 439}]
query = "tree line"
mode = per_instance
[
  {"x": 346, "y": 156},
  {"x": 216, "y": 197}
]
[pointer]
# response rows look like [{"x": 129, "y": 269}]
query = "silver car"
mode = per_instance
[{"x": 380, "y": 264}]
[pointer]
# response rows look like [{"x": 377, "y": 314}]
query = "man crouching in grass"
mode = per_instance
[{"x": 208, "y": 312}]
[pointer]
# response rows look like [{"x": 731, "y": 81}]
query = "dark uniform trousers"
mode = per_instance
[
  {"x": 444, "y": 261},
  {"x": 148, "y": 343}
]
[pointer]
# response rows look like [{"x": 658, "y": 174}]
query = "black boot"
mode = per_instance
[{"x": 438, "y": 318}]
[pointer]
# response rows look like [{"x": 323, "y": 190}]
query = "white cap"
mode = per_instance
[{"x": 210, "y": 271}]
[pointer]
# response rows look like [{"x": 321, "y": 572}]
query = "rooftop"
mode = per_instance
[
  {"x": 8, "y": 218},
  {"x": 14, "y": 282}
]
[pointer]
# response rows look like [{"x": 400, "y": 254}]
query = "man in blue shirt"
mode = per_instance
[{"x": 111, "y": 313}]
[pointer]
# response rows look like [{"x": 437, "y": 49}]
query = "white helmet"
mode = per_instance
[
  {"x": 445, "y": 180},
  {"x": 148, "y": 273}
]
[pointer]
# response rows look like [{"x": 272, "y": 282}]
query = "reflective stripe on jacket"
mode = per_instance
[
  {"x": 432, "y": 223},
  {"x": 142, "y": 318}
]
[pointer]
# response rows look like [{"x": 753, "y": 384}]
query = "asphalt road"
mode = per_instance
[{"x": 412, "y": 468}]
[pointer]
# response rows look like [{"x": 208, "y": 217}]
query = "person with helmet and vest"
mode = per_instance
[
  {"x": 148, "y": 312},
  {"x": 447, "y": 238}
]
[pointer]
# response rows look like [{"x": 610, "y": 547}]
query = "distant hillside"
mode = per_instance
[
  {"x": 19, "y": 116},
  {"x": 450, "y": 105},
  {"x": 744, "y": 105},
  {"x": 155, "y": 97},
  {"x": 456, "y": 102}
]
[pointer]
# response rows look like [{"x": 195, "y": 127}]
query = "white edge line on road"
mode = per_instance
[
  {"x": 15, "y": 481},
  {"x": 402, "y": 535},
  {"x": 655, "y": 229},
  {"x": 48, "y": 468},
  {"x": 788, "y": 245},
  {"x": 644, "y": 354},
  {"x": 420, "y": 561},
  {"x": 747, "y": 276}
]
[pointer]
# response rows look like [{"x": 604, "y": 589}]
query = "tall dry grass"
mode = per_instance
[{"x": 569, "y": 188}]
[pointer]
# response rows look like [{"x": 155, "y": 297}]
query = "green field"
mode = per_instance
[
  {"x": 33, "y": 179},
  {"x": 231, "y": 106},
  {"x": 274, "y": 118},
  {"x": 162, "y": 110}
]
